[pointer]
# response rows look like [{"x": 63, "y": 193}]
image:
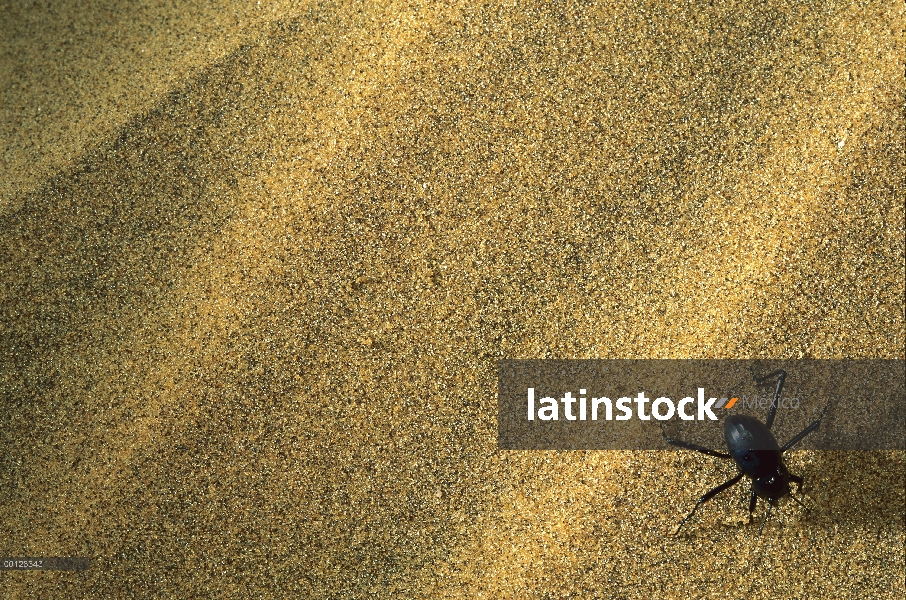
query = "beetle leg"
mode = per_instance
[
  {"x": 752, "y": 501},
  {"x": 702, "y": 449},
  {"x": 768, "y": 514},
  {"x": 805, "y": 431},
  {"x": 707, "y": 497},
  {"x": 781, "y": 377},
  {"x": 798, "y": 481},
  {"x": 696, "y": 447},
  {"x": 796, "y": 500}
]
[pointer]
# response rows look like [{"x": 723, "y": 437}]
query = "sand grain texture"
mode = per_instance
[{"x": 249, "y": 329}]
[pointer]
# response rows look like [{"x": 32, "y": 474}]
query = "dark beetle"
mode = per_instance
[{"x": 757, "y": 454}]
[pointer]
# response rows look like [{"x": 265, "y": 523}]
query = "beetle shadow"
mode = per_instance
[{"x": 857, "y": 488}]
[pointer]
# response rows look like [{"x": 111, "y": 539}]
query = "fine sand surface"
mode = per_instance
[{"x": 255, "y": 281}]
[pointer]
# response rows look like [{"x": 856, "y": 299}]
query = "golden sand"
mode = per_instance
[{"x": 255, "y": 286}]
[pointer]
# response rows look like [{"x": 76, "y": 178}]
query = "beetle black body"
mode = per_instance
[{"x": 757, "y": 454}]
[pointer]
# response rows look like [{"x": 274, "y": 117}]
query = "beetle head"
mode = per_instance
[{"x": 773, "y": 486}]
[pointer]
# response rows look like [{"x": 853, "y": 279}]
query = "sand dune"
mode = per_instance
[{"x": 250, "y": 316}]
